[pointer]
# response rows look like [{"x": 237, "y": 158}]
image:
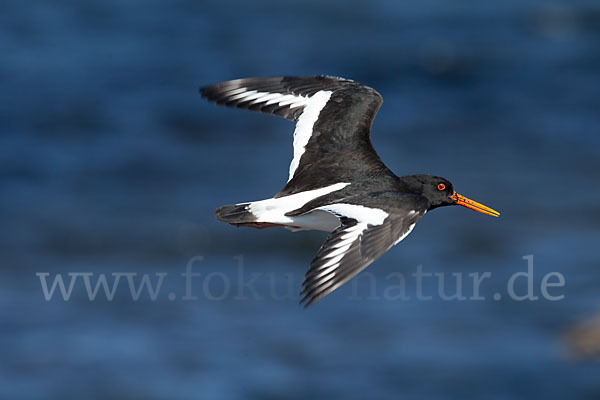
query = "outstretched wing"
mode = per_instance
[
  {"x": 364, "y": 235},
  {"x": 331, "y": 114}
]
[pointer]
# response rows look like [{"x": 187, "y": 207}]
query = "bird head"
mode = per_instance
[{"x": 440, "y": 193}]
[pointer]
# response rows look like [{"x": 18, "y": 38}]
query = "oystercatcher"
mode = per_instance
[{"x": 337, "y": 182}]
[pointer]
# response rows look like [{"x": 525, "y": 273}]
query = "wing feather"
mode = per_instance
[
  {"x": 333, "y": 117},
  {"x": 351, "y": 248}
]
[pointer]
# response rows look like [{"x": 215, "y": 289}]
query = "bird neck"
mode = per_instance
[{"x": 412, "y": 184}]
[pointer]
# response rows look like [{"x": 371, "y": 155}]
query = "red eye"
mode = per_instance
[{"x": 441, "y": 186}]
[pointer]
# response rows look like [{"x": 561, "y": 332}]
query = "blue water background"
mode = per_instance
[{"x": 111, "y": 162}]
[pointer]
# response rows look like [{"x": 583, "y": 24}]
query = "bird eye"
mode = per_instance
[{"x": 441, "y": 186}]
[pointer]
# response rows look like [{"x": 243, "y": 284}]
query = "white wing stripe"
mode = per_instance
[
  {"x": 371, "y": 216},
  {"x": 365, "y": 216},
  {"x": 306, "y": 121},
  {"x": 324, "y": 278},
  {"x": 343, "y": 243},
  {"x": 333, "y": 261},
  {"x": 304, "y": 126},
  {"x": 340, "y": 250},
  {"x": 410, "y": 228},
  {"x": 274, "y": 210},
  {"x": 235, "y": 91},
  {"x": 266, "y": 97},
  {"x": 254, "y": 96},
  {"x": 350, "y": 232},
  {"x": 282, "y": 98},
  {"x": 291, "y": 100},
  {"x": 300, "y": 103},
  {"x": 323, "y": 272},
  {"x": 242, "y": 95}
]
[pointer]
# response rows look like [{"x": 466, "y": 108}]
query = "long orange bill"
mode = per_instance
[{"x": 473, "y": 205}]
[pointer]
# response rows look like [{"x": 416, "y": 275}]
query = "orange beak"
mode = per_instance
[{"x": 473, "y": 205}]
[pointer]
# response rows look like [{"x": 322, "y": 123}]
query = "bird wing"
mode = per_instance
[
  {"x": 364, "y": 235},
  {"x": 332, "y": 115}
]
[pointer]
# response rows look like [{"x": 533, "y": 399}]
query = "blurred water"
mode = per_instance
[{"x": 110, "y": 162}]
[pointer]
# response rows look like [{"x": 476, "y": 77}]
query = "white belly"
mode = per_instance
[{"x": 315, "y": 220}]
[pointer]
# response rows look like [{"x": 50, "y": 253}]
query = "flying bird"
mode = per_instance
[{"x": 337, "y": 182}]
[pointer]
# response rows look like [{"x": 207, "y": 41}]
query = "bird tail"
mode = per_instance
[{"x": 235, "y": 214}]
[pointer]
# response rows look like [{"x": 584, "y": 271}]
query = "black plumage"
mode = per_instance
[{"x": 337, "y": 163}]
